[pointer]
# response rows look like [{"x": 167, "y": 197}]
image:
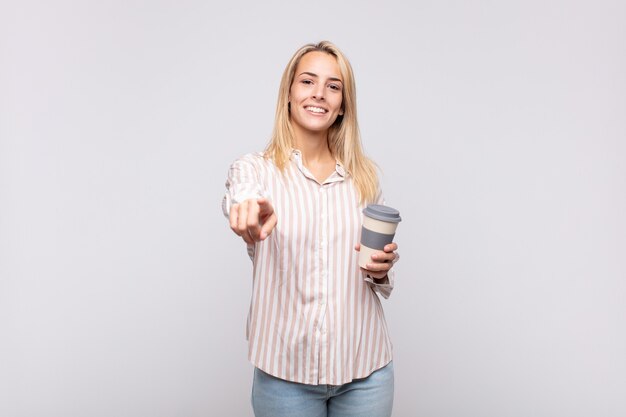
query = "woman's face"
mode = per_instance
[{"x": 316, "y": 93}]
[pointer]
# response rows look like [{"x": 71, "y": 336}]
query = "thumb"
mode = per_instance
[{"x": 268, "y": 226}]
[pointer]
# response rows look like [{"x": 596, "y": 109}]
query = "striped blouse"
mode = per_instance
[{"x": 314, "y": 318}]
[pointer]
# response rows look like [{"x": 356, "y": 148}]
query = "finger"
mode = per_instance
[
  {"x": 233, "y": 216},
  {"x": 357, "y": 247},
  {"x": 253, "y": 223},
  {"x": 390, "y": 247},
  {"x": 242, "y": 217},
  {"x": 378, "y": 267},
  {"x": 268, "y": 226},
  {"x": 383, "y": 256},
  {"x": 264, "y": 203},
  {"x": 265, "y": 208},
  {"x": 247, "y": 238}
]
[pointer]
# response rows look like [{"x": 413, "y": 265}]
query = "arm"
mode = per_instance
[
  {"x": 251, "y": 216},
  {"x": 379, "y": 274},
  {"x": 243, "y": 183}
]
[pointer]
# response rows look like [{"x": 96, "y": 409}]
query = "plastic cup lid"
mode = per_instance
[{"x": 382, "y": 213}]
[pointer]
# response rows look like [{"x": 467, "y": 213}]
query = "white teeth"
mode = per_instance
[{"x": 316, "y": 109}]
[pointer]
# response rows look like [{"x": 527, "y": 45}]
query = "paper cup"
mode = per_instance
[{"x": 379, "y": 228}]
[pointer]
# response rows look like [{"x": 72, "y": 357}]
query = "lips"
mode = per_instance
[{"x": 315, "y": 109}]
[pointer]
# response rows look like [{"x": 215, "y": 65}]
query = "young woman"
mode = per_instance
[{"x": 316, "y": 329}]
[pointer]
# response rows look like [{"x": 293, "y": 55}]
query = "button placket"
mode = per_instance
[{"x": 324, "y": 252}]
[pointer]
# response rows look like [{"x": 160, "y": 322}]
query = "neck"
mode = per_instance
[{"x": 313, "y": 146}]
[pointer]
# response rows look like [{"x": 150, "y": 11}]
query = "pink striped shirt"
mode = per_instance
[{"x": 314, "y": 317}]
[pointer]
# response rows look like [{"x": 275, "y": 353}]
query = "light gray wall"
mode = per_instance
[{"x": 501, "y": 131}]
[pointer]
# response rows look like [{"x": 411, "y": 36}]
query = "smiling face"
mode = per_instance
[{"x": 316, "y": 94}]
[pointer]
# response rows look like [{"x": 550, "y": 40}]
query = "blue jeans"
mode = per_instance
[{"x": 367, "y": 397}]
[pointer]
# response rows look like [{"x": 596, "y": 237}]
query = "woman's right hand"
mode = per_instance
[{"x": 253, "y": 219}]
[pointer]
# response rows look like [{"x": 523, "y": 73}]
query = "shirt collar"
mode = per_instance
[{"x": 338, "y": 175}]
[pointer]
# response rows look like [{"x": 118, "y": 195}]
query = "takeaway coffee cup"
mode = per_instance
[{"x": 379, "y": 228}]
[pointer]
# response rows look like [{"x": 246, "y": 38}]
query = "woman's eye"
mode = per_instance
[
  {"x": 335, "y": 87},
  {"x": 307, "y": 82}
]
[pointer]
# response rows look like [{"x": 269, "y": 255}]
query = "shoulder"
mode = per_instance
[
  {"x": 253, "y": 158},
  {"x": 257, "y": 162}
]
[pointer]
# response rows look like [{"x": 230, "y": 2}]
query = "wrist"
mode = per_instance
[{"x": 380, "y": 281}]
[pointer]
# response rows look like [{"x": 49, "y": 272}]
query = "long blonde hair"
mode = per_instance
[{"x": 344, "y": 139}]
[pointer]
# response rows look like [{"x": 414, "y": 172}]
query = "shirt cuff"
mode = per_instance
[
  {"x": 228, "y": 200},
  {"x": 383, "y": 286}
]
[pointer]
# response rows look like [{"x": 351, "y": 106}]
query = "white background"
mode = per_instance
[{"x": 500, "y": 128}]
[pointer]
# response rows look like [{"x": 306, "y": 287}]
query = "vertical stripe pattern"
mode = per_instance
[{"x": 314, "y": 317}]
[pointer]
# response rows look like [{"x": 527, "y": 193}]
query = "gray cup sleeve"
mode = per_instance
[{"x": 375, "y": 240}]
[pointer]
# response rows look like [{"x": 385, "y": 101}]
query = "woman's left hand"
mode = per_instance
[{"x": 383, "y": 261}]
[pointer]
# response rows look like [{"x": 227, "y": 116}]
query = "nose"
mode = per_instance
[{"x": 318, "y": 93}]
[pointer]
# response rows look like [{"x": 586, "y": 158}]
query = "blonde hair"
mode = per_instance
[{"x": 344, "y": 139}]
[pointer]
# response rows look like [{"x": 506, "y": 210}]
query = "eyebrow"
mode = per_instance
[{"x": 316, "y": 76}]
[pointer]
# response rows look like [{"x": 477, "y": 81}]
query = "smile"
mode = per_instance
[{"x": 316, "y": 109}]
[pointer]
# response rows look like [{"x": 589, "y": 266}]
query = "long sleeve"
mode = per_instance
[
  {"x": 384, "y": 286},
  {"x": 242, "y": 183}
]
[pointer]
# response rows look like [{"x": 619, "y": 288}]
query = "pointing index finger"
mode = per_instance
[{"x": 253, "y": 224}]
